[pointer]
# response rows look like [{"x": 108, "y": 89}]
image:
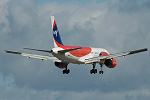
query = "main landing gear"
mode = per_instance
[
  {"x": 66, "y": 71},
  {"x": 94, "y": 71}
]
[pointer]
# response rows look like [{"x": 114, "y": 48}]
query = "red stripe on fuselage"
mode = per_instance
[
  {"x": 77, "y": 53},
  {"x": 80, "y": 52}
]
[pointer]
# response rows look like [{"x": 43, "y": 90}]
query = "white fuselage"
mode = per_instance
[{"x": 77, "y": 58}]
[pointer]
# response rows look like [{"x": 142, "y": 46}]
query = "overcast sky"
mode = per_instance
[{"x": 116, "y": 25}]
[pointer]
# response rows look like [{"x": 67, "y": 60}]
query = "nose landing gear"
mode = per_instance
[{"x": 101, "y": 71}]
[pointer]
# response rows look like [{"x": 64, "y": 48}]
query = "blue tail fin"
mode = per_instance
[{"x": 56, "y": 36}]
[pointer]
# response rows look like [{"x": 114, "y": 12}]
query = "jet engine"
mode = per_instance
[
  {"x": 110, "y": 63},
  {"x": 61, "y": 64}
]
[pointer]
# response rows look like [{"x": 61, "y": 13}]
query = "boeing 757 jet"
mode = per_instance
[{"x": 63, "y": 55}]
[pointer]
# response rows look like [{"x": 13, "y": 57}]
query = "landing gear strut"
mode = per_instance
[
  {"x": 66, "y": 71},
  {"x": 93, "y": 70},
  {"x": 101, "y": 71}
]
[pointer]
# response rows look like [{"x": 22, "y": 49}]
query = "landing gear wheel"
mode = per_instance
[
  {"x": 66, "y": 71},
  {"x": 101, "y": 72},
  {"x": 93, "y": 71}
]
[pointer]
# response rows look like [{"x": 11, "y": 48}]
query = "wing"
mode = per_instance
[
  {"x": 42, "y": 57},
  {"x": 97, "y": 59}
]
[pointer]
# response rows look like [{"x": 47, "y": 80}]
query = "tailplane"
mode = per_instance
[{"x": 56, "y": 36}]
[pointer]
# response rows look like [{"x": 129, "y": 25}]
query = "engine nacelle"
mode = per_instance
[
  {"x": 110, "y": 63},
  {"x": 61, "y": 64}
]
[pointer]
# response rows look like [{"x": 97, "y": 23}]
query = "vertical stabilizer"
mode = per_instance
[{"x": 56, "y": 36}]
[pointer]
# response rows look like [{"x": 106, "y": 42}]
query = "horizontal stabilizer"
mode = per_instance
[
  {"x": 61, "y": 51},
  {"x": 68, "y": 50},
  {"x": 39, "y": 50}
]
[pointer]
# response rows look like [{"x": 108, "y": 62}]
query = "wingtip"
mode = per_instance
[
  {"x": 14, "y": 52},
  {"x": 138, "y": 51},
  {"x": 146, "y": 49},
  {"x": 5, "y": 50}
]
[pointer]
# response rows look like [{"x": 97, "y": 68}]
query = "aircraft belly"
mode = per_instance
[{"x": 68, "y": 59}]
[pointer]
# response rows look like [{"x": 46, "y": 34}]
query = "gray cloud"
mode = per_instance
[
  {"x": 27, "y": 93},
  {"x": 116, "y": 26}
]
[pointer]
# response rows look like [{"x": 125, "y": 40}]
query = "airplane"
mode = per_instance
[{"x": 63, "y": 55}]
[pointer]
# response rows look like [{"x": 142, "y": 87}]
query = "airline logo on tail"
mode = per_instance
[{"x": 56, "y": 36}]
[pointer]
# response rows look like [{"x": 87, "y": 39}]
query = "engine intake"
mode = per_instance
[{"x": 110, "y": 63}]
